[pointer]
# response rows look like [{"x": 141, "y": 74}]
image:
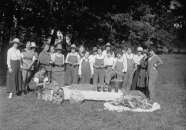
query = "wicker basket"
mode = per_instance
[{"x": 116, "y": 84}]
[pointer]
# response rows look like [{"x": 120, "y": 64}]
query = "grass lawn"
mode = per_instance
[{"x": 27, "y": 113}]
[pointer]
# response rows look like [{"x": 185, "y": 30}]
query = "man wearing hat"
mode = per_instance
[
  {"x": 58, "y": 70},
  {"x": 45, "y": 59},
  {"x": 72, "y": 63},
  {"x": 28, "y": 58},
  {"x": 14, "y": 80}
]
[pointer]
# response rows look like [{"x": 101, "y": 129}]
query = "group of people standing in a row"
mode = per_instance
[{"x": 78, "y": 65}]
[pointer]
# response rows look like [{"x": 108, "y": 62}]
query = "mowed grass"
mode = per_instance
[{"x": 27, "y": 113}]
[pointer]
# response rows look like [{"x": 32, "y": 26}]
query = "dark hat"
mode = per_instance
[
  {"x": 94, "y": 49},
  {"x": 99, "y": 47},
  {"x": 119, "y": 51}
]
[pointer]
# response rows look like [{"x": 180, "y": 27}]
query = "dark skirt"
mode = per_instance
[
  {"x": 135, "y": 79},
  {"x": 14, "y": 78}
]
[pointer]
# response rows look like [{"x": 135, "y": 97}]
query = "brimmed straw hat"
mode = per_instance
[
  {"x": 108, "y": 44},
  {"x": 33, "y": 45},
  {"x": 140, "y": 49},
  {"x": 59, "y": 47},
  {"x": 15, "y": 40},
  {"x": 73, "y": 46}
]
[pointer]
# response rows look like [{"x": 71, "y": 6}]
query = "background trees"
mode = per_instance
[{"x": 136, "y": 22}]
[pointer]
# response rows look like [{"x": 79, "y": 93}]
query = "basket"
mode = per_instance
[{"x": 116, "y": 84}]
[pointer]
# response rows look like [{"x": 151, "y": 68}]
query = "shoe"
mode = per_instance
[{"x": 10, "y": 95}]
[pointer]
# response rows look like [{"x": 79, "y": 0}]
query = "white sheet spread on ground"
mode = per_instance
[
  {"x": 80, "y": 95},
  {"x": 115, "y": 101}
]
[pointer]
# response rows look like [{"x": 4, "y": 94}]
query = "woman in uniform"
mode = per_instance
[
  {"x": 45, "y": 59},
  {"x": 72, "y": 63},
  {"x": 58, "y": 70},
  {"x": 14, "y": 80},
  {"x": 153, "y": 64},
  {"x": 98, "y": 64},
  {"x": 28, "y": 59},
  {"x": 130, "y": 69}
]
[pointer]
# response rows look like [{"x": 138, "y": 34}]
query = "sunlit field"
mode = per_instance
[{"x": 28, "y": 113}]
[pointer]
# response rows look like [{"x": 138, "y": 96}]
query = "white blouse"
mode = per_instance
[
  {"x": 137, "y": 59},
  {"x": 13, "y": 54}
]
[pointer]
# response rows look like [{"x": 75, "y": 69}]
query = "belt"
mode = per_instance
[
  {"x": 72, "y": 64},
  {"x": 45, "y": 64},
  {"x": 58, "y": 65},
  {"x": 108, "y": 66}
]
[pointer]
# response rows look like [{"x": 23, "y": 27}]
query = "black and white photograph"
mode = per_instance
[{"x": 92, "y": 65}]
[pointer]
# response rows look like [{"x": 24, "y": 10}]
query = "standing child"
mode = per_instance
[
  {"x": 85, "y": 69},
  {"x": 98, "y": 65},
  {"x": 58, "y": 70},
  {"x": 72, "y": 64},
  {"x": 120, "y": 66}
]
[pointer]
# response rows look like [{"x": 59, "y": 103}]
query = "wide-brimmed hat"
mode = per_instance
[
  {"x": 59, "y": 47},
  {"x": 33, "y": 45},
  {"x": 108, "y": 44},
  {"x": 16, "y": 40},
  {"x": 73, "y": 46},
  {"x": 139, "y": 49}
]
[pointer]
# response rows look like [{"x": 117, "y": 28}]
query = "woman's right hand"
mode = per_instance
[{"x": 10, "y": 70}]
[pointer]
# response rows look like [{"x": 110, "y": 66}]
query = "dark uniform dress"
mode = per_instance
[
  {"x": 142, "y": 82},
  {"x": 58, "y": 70},
  {"x": 85, "y": 72},
  {"x": 44, "y": 61},
  {"x": 72, "y": 69}
]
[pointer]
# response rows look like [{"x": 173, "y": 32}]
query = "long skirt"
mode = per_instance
[
  {"x": 14, "y": 78},
  {"x": 135, "y": 79},
  {"x": 153, "y": 75},
  {"x": 59, "y": 76}
]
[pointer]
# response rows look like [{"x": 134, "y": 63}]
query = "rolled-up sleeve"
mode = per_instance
[{"x": 125, "y": 64}]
